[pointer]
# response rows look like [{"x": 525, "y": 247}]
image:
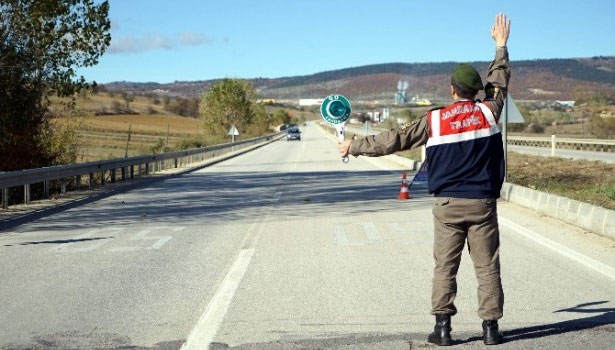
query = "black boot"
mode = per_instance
[
  {"x": 491, "y": 334},
  {"x": 442, "y": 331}
]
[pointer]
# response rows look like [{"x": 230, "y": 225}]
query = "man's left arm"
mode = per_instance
[{"x": 496, "y": 88}]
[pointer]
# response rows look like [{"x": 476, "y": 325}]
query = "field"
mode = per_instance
[
  {"x": 105, "y": 137},
  {"x": 587, "y": 181},
  {"x": 103, "y": 122}
]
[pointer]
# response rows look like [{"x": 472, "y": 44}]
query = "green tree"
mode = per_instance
[
  {"x": 228, "y": 102},
  {"x": 407, "y": 115},
  {"x": 260, "y": 121},
  {"x": 42, "y": 43},
  {"x": 281, "y": 116}
]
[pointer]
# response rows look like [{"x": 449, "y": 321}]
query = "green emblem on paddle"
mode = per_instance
[{"x": 335, "y": 109}]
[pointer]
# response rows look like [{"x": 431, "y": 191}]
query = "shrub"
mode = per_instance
[{"x": 535, "y": 128}]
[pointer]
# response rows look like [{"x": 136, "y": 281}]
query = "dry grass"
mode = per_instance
[
  {"x": 106, "y": 137},
  {"x": 155, "y": 124},
  {"x": 588, "y": 181}
]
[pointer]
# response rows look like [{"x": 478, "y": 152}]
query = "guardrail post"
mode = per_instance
[
  {"x": 102, "y": 179},
  {"x": 123, "y": 173},
  {"x": 90, "y": 180},
  {"x": 26, "y": 194},
  {"x": 78, "y": 182},
  {"x": 45, "y": 189},
  {"x": 146, "y": 168},
  {"x": 132, "y": 171},
  {"x": 63, "y": 186},
  {"x": 175, "y": 160},
  {"x": 113, "y": 171},
  {"x": 552, "y": 145},
  {"x": 5, "y": 198}
]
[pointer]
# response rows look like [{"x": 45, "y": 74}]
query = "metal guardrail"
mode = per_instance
[
  {"x": 595, "y": 145},
  {"x": 128, "y": 168}
]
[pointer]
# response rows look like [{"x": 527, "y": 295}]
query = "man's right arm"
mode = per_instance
[{"x": 409, "y": 136}]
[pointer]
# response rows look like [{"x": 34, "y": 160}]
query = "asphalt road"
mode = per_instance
[{"x": 286, "y": 247}]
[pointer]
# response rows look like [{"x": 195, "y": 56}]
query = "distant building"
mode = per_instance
[
  {"x": 310, "y": 102},
  {"x": 266, "y": 101},
  {"x": 565, "y": 103},
  {"x": 375, "y": 117}
]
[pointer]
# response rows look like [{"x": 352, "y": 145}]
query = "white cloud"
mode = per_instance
[{"x": 153, "y": 42}]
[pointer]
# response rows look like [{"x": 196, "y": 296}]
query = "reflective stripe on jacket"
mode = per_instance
[{"x": 464, "y": 151}]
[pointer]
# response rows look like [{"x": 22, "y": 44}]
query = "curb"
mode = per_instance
[{"x": 590, "y": 217}]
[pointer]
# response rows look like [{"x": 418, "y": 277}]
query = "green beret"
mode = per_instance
[{"x": 467, "y": 77}]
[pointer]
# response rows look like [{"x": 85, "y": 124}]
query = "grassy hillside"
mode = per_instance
[{"x": 545, "y": 79}]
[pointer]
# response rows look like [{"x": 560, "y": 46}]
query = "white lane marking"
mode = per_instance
[
  {"x": 565, "y": 251},
  {"x": 142, "y": 235},
  {"x": 370, "y": 229},
  {"x": 206, "y": 328},
  {"x": 90, "y": 235}
]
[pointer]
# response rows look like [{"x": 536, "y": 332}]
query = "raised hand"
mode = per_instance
[{"x": 500, "y": 29}]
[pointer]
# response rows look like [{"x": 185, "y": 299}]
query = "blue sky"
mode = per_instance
[{"x": 164, "y": 41}]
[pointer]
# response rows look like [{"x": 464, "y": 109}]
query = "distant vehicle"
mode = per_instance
[{"x": 293, "y": 134}]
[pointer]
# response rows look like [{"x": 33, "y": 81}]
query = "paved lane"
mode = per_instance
[{"x": 283, "y": 248}]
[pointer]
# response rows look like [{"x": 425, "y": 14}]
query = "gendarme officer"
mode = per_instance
[{"x": 466, "y": 172}]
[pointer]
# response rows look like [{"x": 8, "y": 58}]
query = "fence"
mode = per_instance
[
  {"x": 594, "y": 145},
  {"x": 125, "y": 168}
]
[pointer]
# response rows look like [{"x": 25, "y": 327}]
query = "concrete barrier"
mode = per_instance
[{"x": 590, "y": 217}]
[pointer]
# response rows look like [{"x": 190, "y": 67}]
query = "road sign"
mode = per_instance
[
  {"x": 233, "y": 131},
  {"x": 335, "y": 109},
  {"x": 513, "y": 116},
  {"x": 510, "y": 114}
]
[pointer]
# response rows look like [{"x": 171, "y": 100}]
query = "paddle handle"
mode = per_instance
[{"x": 341, "y": 135}]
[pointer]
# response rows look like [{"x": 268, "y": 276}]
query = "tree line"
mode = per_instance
[{"x": 43, "y": 43}]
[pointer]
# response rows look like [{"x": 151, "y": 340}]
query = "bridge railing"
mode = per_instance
[{"x": 124, "y": 168}]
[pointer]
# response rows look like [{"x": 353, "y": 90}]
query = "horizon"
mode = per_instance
[
  {"x": 333, "y": 70},
  {"x": 206, "y": 40}
]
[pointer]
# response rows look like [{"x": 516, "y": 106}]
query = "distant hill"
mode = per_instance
[{"x": 544, "y": 79}]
